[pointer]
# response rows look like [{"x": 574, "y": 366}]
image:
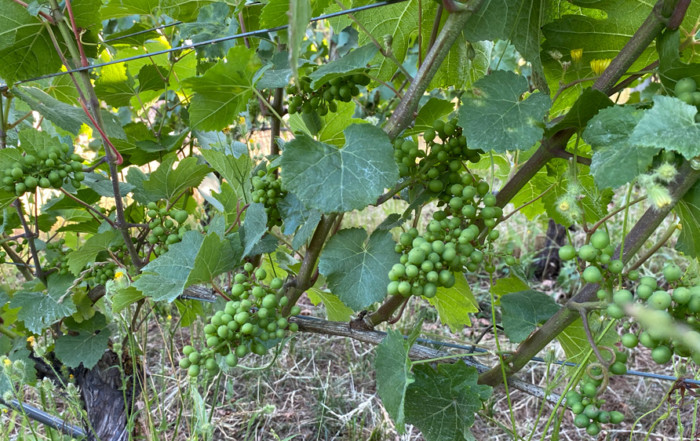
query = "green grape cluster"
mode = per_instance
[
  {"x": 585, "y": 404},
  {"x": 167, "y": 226},
  {"x": 598, "y": 255},
  {"x": 450, "y": 243},
  {"x": 304, "y": 99},
  {"x": 100, "y": 273},
  {"x": 268, "y": 190},
  {"x": 680, "y": 303},
  {"x": 57, "y": 256},
  {"x": 252, "y": 317},
  {"x": 48, "y": 169},
  {"x": 686, "y": 90},
  {"x": 446, "y": 152}
]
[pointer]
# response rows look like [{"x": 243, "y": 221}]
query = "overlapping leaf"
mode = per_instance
[
  {"x": 336, "y": 180},
  {"x": 455, "y": 304},
  {"x": 523, "y": 311},
  {"x": 357, "y": 269}
]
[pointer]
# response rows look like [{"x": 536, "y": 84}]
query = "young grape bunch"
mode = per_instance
[
  {"x": 248, "y": 323},
  {"x": 269, "y": 190},
  {"x": 48, "y": 168},
  {"x": 451, "y": 241},
  {"x": 323, "y": 99},
  {"x": 167, "y": 227}
]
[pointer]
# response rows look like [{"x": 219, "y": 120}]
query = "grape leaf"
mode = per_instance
[
  {"x": 253, "y": 228},
  {"x": 125, "y": 8},
  {"x": 235, "y": 168},
  {"x": 215, "y": 256},
  {"x": 296, "y": 216},
  {"x": 616, "y": 161},
  {"x": 79, "y": 258},
  {"x": 183, "y": 10},
  {"x": 335, "y": 309},
  {"x": 336, "y": 180},
  {"x": 398, "y": 24},
  {"x": 212, "y": 22},
  {"x": 519, "y": 21},
  {"x": 125, "y": 297},
  {"x": 328, "y": 128},
  {"x": 508, "y": 285},
  {"x": 164, "y": 278},
  {"x": 39, "y": 310},
  {"x": 393, "y": 370},
  {"x": 274, "y": 14},
  {"x": 223, "y": 91},
  {"x": 442, "y": 403},
  {"x": 355, "y": 61},
  {"x": 65, "y": 116},
  {"x": 114, "y": 85},
  {"x": 671, "y": 67},
  {"x": 166, "y": 182},
  {"x": 357, "y": 270},
  {"x": 26, "y": 49},
  {"x": 523, "y": 311},
  {"x": 455, "y": 304},
  {"x": 669, "y": 125},
  {"x": 86, "y": 348},
  {"x": 496, "y": 119},
  {"x": 688, "y": 209}
]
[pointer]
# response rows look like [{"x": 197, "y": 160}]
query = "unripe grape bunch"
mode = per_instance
[
  {"x": 451, "y": 242},
  {"x": 49, "y": 168},
  {"x": 305, "y": 99},
  {"x": 251, "y": 318},
  {"x": 167, "y": 226},
  {"x": 268, "y": 190}
]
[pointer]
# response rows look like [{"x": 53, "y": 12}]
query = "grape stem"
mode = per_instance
[
  {"x": 30, "y": 235},
  {"x": 664, "y": 238}
]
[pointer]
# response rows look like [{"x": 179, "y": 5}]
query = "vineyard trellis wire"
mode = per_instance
[{"x": 4, "y": 87}]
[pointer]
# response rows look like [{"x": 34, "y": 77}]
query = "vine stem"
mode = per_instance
[
  {"x": 403, "y": 115},
  {"x": 664, "y": 238},
  {"x": 111, "y": 152},
  {"x": 644, "y": 227},
  {"x": 29, "y": 234}
]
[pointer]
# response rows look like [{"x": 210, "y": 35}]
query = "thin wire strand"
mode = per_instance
[
  {"x": 144, "y": 31},
  {"x": 4, "y": 87}
]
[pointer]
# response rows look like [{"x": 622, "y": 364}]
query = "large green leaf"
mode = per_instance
[
  {"x": 39, "y": 310},
  {"x": 125, "y": 8},
  {"x": 213, "y": 21},
  {"x": 223, "y": 91},
  {"x": 26, "y": 49},
  {"x": 79, "y": 258},
  {"x": 233, "y": 164},
  {"x": 431, "y": 111},
  {"x": 519, "y": 21},
  {"x": 396, "y": 24},
  {"x": 216, "y": 255},
  {"x": 455, "y": 304},
  {"x": 442, "y": 403},
  {"x": 65, "y": 116},
  {"x": 523, "y": 311},
  {"x": 495, "y": 118},
  {"x": 253, "y": 228},
  {"x": 393, "y": 370},
  {"x": 336, "y": 180},
  {"x": 357, "y": 269},
  {"x": 355, "y": 61},
  {"x": 166, "y": 182},
  {"x": 86, "y": 348},
  {"x": 669, "y": 125},
  {"x": 586, "y": 107},
  {"x": 616, "y": 161},
  {"x": 166, "y": 277},
  {"x": 296, "y": 216},
  {"x": 114, "y": 85},
  {"x": 688, "y": 209}
]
